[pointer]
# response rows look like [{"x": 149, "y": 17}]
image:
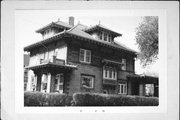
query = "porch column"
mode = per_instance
[
  {"x": 156, "y": 90},
  {"x": 129, "y": 88},
  {"x": 29, "y": 83},
  {"x": 141, "y": 89},
  {"x": 53, "y": 76},
  {"x": 38, "y": 87},
  {"x": 49, "y": 83}
]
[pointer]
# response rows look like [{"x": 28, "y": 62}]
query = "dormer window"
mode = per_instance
[
  {"x": 105, "y": 37},
  {"x": 100, "y": 35},
  {"x": 109, "y": 38}
]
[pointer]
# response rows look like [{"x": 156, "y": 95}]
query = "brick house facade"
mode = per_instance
[{"x": 77, "y": 58}]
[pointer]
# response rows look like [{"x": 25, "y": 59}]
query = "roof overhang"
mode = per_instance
[
  {"x": 44, "y": 41},
  {"x": 51, "y": 65},
  {"x": 143, "y": 79},
  {"x": 98, "y": 42},
  {"x": 69, "y": 34},
  {"x": 97, "y": 27},
  {"x": 50, "y": 26}
]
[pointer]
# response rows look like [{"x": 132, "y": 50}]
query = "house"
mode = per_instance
[{"x": 77, "y": 58}]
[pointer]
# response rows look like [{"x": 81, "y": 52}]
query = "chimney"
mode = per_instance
[{"x": 71, "y": 20}]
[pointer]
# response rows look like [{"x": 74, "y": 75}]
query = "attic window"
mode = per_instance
[
  {"x": 105, "y": 37},
  {"x": 109, "y": 38},
  {"x": 100, "y": 35}
]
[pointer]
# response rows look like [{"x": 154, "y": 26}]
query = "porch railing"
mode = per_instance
[{"x": 53, "y": 60}]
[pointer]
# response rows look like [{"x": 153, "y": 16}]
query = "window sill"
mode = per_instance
[
  {"x": 85, "y": 62},
  {"x": 110, "y": 79},
  {"x": 122, "y": 93}
]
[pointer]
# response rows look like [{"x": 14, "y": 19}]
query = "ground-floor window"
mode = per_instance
[
  {"x": 149, "y": 89},
  {"x": 59, "y": 82},
  {"x": 33, "y": 83},
  {"x": 122, "y": 88},
  {"x": 44, "y": 83},
  {"x": 87, "y": 81}
]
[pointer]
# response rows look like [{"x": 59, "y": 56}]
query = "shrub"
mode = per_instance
[
  {"x": 96, "y": 99},
  {"x": 46, "y": 99},
  {"x": 34, "y": 99}
]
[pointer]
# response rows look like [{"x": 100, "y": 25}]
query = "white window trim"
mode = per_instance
[
  {"x": 58, "y": 77},
  {"x": 108, "y": 69},
  {"x": 85, "y": 53},
  {"x": 124, "y": 90},
  {"x": 124, "y": 63},
  {"x": 86, "y": 76}
]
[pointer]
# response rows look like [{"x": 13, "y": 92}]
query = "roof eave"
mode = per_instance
[
  {"x": 97, "y": 27},
  {"x": 45, "y": 41},
  {"x": 45, "y": 27},
  {"x": 102, "y": 43},
  {"x": 51, "y": 25}
]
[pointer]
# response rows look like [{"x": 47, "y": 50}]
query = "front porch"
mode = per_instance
[
  {"x": 143, "y": 85},
  {"x": 50, "y": 76}
]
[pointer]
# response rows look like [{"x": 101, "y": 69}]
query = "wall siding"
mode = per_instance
[{"x": 42, "y": 52}]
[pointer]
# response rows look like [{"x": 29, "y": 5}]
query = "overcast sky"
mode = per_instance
[{"x": 27, "y": 21}]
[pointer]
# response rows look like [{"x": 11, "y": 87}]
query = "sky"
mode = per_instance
[{"x": 28, "y": 21}]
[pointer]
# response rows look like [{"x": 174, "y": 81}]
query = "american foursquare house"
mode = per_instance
[{"x": 77, "y": 58}]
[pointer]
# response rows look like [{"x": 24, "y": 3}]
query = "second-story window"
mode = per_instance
[
  {"x": 109, "y": 73},
  {"x": 85, "y": 56},
  {"x": 124, "y": 64}
]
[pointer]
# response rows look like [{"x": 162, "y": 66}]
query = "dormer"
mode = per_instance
[
  {"x": 102, "y": 33},
  {"x": 55, "y": 27}
]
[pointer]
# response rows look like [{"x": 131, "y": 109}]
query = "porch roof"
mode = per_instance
[
  {"x": 143, "y": 79},
  {"x": 54, "y": 65}
]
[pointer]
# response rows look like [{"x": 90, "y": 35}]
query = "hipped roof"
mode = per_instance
[
  {"x": 74, "y": 31},
  {"x": 58, "y": 24},
  {"x": 101, "y": 27}
]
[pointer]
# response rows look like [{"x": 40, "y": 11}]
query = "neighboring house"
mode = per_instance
[
  {"x": 77, "y": 58},
  {"x": 26, "y": 63}
]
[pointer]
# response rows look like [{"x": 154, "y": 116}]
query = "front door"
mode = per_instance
[{"x": 59, "y": 82}]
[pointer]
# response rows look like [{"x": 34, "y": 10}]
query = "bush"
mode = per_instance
[
  {"x": 46, "y": 99},
  {"x": 34, "y": 99},
  {"x": 96, "y": 99}
]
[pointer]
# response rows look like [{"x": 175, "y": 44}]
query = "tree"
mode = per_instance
[{"x": 147, "y": 40}]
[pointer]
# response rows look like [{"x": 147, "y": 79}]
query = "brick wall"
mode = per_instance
[
  {"x": 98, "y": 53},
  {"x": 85, "y": 69}
]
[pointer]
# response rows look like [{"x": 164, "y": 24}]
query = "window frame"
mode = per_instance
[
  {"x": 85, "y": 56},
  {"x": 124, "y": 92},
  {"x": 88, "y": 76},
  {"x": 44, "y": 82},
  {"x": 59, "y": 83},
  {"x": 124, "y": 67},
  {"x": 107, "y": 69}
]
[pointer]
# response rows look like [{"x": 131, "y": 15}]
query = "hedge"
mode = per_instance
[
  {"x": 46, "y": 99},
  {"x": 97, "y": 99},
  {"x": 86, "y": 99}
]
